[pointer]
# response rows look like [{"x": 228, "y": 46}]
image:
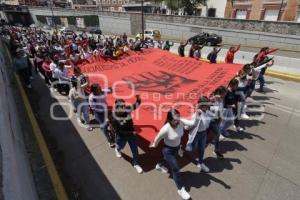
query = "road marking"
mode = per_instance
[{"x": 55, "y": 179}]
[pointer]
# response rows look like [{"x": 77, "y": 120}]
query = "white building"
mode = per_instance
[
  {"x": 215, "y": 8},
  {"x": 10, "y": 2}
]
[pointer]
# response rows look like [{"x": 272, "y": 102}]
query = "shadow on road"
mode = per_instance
[{"x": 80, "y": 172}]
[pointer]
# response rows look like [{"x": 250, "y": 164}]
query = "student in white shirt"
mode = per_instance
[
  {"x": 172, "y": 133},
  {"x": 64, "y": 82},
  {"x": 254, "y": 74},
  {"x": 241, "y": 90},
  {"x": 98, "y": 104},
  {"x": 78, "y": 98},
  {"x": 217, "y": 110},
  {"x": 198, "y": 134}
]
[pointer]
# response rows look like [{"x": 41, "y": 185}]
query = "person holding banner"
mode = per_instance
[
  {"x": 98, "y": 104},
  {"x": 254, "y": 74},
  {"x": 198, "y": 134},
  {"x": 230, "y": 54},
  {"x": 217, "y": 109},
  {"x": 213, "y": 55},
  {"x": 172, "y": 133},
  {"x": 122, "y": 125},
  {"x": 241, "y": 91},
  {"x": 230, "y": 109},
  {"x": 259, "y": 59},
  {"x": 181, "y": 49},
  {"x": 168, "y": 45}
]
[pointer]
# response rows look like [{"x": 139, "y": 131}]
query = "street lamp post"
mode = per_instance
[
  {"x": 142, "y": 10},
  {"x": 51, "y": 7}
]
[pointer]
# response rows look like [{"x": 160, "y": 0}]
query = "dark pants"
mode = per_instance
[
  {"x": 169, "y": 154},
  {"x": 200, "y": 143},
  {"x": 63, "y": 88},
  {"x": 48, "y": 77},
  {"x": 101, "y": 119},
  {"x": 250, "y": 88},
  {"x": 261, "y": 79},
  {"x": 24, "y": 75},
  {"x": 236, "y": 115},
  {"x": 121, "y": 142},
  {"x": 214, "y": 127}
]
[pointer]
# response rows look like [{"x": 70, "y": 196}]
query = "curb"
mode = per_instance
[
  {"x": 283, "y": 75},
  {"x": 54, "y": 176}
]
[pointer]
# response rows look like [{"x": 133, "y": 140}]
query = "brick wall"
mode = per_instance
[
  {"x": 290, "y": 11},
  {"x": 256, "y": 11}
]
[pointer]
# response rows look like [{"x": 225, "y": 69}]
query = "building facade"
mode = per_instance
[
  {"x": 268, "y": 10},
  {"x": 10, "y": 2},
  {"x": 214, "y": 8}
]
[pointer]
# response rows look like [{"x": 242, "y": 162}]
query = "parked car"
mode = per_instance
[
  {"x": 19, "y": 25},
  {"x": 95, "y": 31},
  {"x": 46, "y": 27},
  {"x": 206, "y": 39},
  {"x": 62, "y": 29},
  {"x": 150, "y": 34}
]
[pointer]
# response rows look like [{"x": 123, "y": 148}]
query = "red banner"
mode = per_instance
[{"x": 162, "y": 79}]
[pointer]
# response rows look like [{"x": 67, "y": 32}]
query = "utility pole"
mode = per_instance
[
  {"x": 51, "y": 7},
  {"x": 279, "y": 13},
  {"x": 143, "y": 28}
]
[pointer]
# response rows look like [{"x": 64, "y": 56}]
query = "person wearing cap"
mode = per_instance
[
  {"x": 122, "y": 125},
  {"x": 23, "y": 65}
]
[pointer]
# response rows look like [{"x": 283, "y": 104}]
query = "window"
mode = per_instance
[
  {"x": 241, "y": 14},
  {"x": 114, "y": 1},
  {"x": 298, "y": 18},
  {"x": 271, "y": 15},
  {"x": 120, "y": 2},
  {"x": 211, "y": 12}
]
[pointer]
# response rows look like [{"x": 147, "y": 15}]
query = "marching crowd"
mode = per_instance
[{"x": 52, "y": 55}]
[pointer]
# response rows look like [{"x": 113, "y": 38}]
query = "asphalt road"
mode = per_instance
[{"x": 261, "y": 163}]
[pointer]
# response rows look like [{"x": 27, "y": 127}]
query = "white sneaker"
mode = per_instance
[
  {"x": 138, "y": 169},
  {"x": 161, "y": 168},
  {"x": 29, "y": 86},
  {"x": 221, "y": 137},
  {"x": 234, "y": 127},
  {"x": 239, "y": 129},
  {"x": 245, "y": 116},
  {"x": 118, "y": 153},
  {"x": 203, "y": 167},
  {"x": 184, "y": 194}
]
